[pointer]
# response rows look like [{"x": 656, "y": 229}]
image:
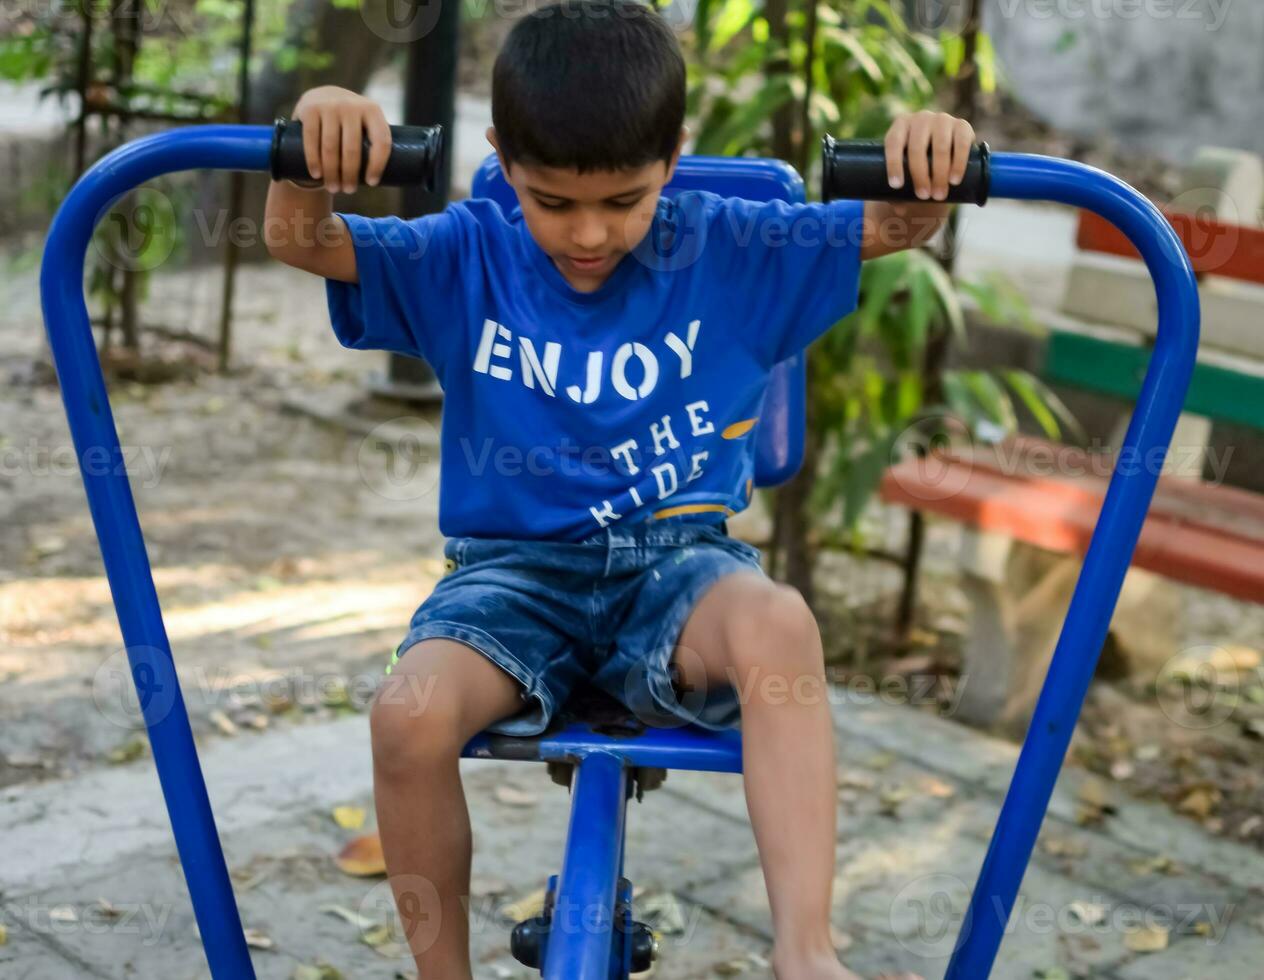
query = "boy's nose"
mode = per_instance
[{"x": 588, "y": 233}]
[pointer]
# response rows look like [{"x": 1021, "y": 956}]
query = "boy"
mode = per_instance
[{"x": 603, "y": 352}]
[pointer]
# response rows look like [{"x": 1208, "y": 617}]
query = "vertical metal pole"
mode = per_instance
[
  {"x": 1113, "y": 542},
  {"x": 429, "y": 99},
  {"x": 114, "y": 510},
  {"x": 582, "y": 932},
  {"x": 236, "y": 188}
]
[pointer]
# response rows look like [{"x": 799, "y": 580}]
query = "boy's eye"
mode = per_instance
[{"x": 562, "y": 205}]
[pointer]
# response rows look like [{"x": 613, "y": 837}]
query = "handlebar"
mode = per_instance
[
  {"x": 416, "y": 152},
  {"x": 854, "y": 169},
  {"x": 857, "y": 169}
]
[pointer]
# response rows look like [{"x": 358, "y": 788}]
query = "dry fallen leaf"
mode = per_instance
[
  {"x": 258, "y": 939},
  {"x": 936, "y": 788},
  {"x": 1062, "y": 847},
  {"x": 663, "y": 913},
  {"x": 1199, "y": 802},
  {"x": 1092, "y": 803},
  {"x": 524, "y": 908},
  {"x": 1122, "y": 769},
  {"x": 1158, "y": 864},
  {"x": 130, "y": 750},
  {"x": 381, "y": 939},
  {"x": 1147, "y": 939},
  {"x": 1235, "y": 658},
  {"x": 890, "y": 798},
  {"x": 511, "y": 795},
  {"x": 349, "y": 817},
  {"x": 362, "y": 857},
  {"x": 361, "y": 922},
  {"x": 854, "y": 780},
  {"x": 1090, "y": 913},
  {"x": 322, "y": 971},
  {"x": 481, "y": 886},
  {"x": 222, "y": 722},
  {"x": 4, "y": 934}
]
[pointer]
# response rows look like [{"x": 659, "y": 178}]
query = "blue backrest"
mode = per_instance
[{"x": 779, "y": 432}]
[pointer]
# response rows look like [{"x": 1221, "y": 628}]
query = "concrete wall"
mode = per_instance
[{"x": 1165, "y": 75}]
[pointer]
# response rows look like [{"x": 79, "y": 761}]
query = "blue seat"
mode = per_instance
[{"x": 590, "y": 719}]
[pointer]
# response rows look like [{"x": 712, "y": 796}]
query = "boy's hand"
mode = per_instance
[
  {"x": 335, "y": 122},
  {"x": 938, "y": 148}
]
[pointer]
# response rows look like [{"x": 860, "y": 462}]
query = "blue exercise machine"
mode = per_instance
[{"x": 605, "y": 755}]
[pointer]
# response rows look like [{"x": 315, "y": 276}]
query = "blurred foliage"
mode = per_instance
[
  {"x": 867, "y": 377},
  {"x": 188, "y": 50}
]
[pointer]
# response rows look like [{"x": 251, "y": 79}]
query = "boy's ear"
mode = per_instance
[
  {"x": 680, "y": 148},
  {"x": 500, "y": 157}
]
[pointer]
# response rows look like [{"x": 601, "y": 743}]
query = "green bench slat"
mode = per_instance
[{"x": 1118, "y": 369}]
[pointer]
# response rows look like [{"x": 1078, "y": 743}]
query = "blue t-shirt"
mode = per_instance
[{"x": 566, "y": 411}]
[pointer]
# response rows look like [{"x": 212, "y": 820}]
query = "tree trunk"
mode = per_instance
[
  {"x": 965, "y": 93},
  {"x": 356, "y": 53}
]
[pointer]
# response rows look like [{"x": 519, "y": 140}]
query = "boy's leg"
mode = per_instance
[
  {"x": 436, "y": 699},
  {"x": 760, "y": 637}
]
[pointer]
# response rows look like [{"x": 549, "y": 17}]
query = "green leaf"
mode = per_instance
[
  {"x": 863, "y": 477},
  {"x": 992, "y": 398},
  {"x": 733, "y": 17},
  {"x": 1044, "y": 404},
  {"x": 921, "y": 309},
  {"x": 1066, "y": 41},
  {"x": 702, "y": 24},
  {"x": 846, "y": 39},
  {"x": 911, "y": 72},
  {"x": 1001, "y": 301},
  {"x": 954, "y": 49},
  {"x": 894, "y": 22},
  {"x": 879, "y": 281},
  {"x": 949, "y": 301},
  {"x": 741, "y": 127},
  {"x": 1021, "y": 383},
  {"x": 985, "y": 60}
]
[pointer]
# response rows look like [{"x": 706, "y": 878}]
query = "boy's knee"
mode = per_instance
[
  {"x": 778, "y": 623},
  {"x": 412, "y": 724}
]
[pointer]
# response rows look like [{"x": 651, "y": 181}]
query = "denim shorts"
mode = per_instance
[{"x": 608, "y": 609}]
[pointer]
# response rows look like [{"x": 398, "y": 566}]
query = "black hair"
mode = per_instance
[{"x": 589, "y": 85}]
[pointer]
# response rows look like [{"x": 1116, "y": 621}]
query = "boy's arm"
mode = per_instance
[
  {"x": 300, "y": 228},
  {"x": 938, "y": 147}
]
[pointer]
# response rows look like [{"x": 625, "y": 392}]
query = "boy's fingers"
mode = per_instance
[
  {"x": 331, "y": 152},
  {"x": 941, "y": 154},
  {"x": 896, "y": 141},
  {"x": 962, "y": 144},
  {"x": 379, "y": 147},
  {"x": 352, "y": 138},
  {"x": 311, "y": 142},
  {"x": 919, "y": 157}
]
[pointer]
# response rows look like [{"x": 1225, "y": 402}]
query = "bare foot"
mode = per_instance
[{"x": 826, "y": 967}]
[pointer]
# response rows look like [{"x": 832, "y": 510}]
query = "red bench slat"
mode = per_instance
[
  {"x": 1203, "y": 535},
  {"x": 1215, "y": 248}
]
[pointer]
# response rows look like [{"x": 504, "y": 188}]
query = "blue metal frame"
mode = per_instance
[{"x": 594, "y": 853}]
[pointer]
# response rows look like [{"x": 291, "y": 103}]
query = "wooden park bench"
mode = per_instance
[{"x": 1028, "y": 506}]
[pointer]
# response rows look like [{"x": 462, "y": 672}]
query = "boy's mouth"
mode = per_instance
[{"x": 582, "y": 264}]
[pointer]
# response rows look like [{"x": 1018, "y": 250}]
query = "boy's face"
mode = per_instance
[{"x": 587, "y": 222}]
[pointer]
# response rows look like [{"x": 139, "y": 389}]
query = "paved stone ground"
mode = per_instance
[{"x": 917, "y": 798}]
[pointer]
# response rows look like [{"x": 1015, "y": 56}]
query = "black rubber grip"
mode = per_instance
[
  {"x": 857, "y": 170},
  {"x": 416, "y": 152}
]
